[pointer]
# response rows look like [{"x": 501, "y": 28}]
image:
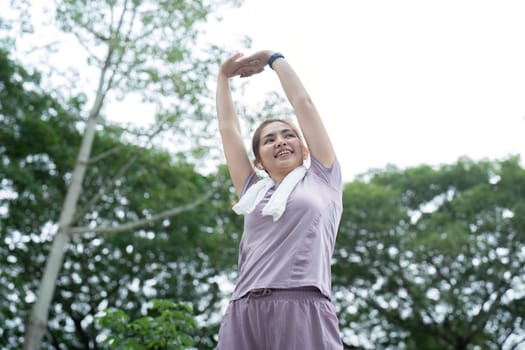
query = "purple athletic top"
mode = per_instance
[{"x": 296, "y": 250}]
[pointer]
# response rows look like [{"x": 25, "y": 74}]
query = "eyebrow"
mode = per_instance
[{"x": 283, "y": 131}]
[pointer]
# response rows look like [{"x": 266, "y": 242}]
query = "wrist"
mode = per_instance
[{"x": 273, "y": 57}]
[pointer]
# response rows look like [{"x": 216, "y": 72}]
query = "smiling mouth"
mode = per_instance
[{"x": 283, "y": 153}]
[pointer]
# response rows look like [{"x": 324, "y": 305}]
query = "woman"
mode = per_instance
[{"x": 282, "y": 296}]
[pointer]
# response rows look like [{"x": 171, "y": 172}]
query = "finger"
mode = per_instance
[
  {"x": 238, "y": 71},
  {"x": 243, "y": 70},
  {"x": 253, "y": 72},
  {"x": 235, "y": 57},
  {"x": 253, "y": 62},
  {"x": 246, "y": 73}
]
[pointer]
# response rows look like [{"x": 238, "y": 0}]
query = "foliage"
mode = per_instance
[
  {"x": 166, "y": 326},
  {"x": 149, "y": 52},
  {"x": 143, "y": 49},
  {"x": 29, "y": 131},
  {"x": 434, "y": 257},
  {"x": 178, "y": 258},
  {"x": 427, "y": 257}
]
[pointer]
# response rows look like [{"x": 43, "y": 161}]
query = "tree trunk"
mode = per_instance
[{"x": 38, "y": 322}]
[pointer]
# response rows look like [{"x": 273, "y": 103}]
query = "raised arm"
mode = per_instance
[
  {"x": 229, "y": 126},
  {"x": 309, "y": 119}
]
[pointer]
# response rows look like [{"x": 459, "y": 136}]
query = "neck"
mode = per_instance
[{"x": 278, "y": 177}]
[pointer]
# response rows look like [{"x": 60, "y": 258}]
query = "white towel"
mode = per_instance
[{"x": 277, "y": 203}]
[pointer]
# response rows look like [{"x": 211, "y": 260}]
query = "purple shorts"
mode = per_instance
[{"x": 280, "y": 319}]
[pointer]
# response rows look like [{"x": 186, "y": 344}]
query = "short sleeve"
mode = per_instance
[
  {"x": 250, "y": 180},
  {"x": 331, "y": 176}
]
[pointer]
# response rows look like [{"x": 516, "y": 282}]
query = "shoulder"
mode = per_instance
[
  {"x": 250, "y": 180},
  {"x": 330, "y": 175}
]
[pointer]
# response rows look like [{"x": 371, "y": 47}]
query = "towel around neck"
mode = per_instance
[{"x": 277, "y": 203}]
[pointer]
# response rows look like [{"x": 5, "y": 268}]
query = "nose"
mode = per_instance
[{"x": 281, "y": 141}]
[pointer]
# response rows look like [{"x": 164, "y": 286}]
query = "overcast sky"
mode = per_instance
[
  {"x": 400, "y": 82},
  {"x": 403, "y": 82}
]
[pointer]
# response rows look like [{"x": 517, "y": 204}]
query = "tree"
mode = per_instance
[
  {"x": 434, "y": 257},
  {"x": 126, "y": 42},
  {"x": 27, "y": 135},
  {"x": 175, "y": 258}
]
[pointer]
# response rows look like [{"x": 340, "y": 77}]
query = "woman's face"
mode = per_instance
[{"x": 280, "y": 150}]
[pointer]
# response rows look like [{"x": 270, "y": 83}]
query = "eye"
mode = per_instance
[
  {"x": 268, "y": 140},
  {"x": 290, "y": 135}
]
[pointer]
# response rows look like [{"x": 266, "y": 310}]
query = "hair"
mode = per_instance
[{"x": 256, "y": 139}]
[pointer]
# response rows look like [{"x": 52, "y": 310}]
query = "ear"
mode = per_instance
[
  {"x": 258, "y": 164},
  {"x": 306, "y": 153}
]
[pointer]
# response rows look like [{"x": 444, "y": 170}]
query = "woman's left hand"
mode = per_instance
[
  {"x": 254, "y": 63},
  {"x": 237, "y": 65}
]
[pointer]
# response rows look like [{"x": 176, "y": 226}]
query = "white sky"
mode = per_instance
[
  {"x": 400, "y": 82},
  {"x": 404, "y": 82}
]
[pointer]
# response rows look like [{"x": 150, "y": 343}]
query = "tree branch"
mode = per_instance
[
  {"x": 518, "y": 343},
  {"x": 500, "y": 289},
  {"x": 107, "y": 188},
  {"x": 111, "y": 183},
  {"x": 143, "y": 222},
  {"x": 105, "y": 154}
]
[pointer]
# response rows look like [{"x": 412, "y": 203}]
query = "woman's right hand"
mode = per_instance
[{"x": 235, "y": 65}]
